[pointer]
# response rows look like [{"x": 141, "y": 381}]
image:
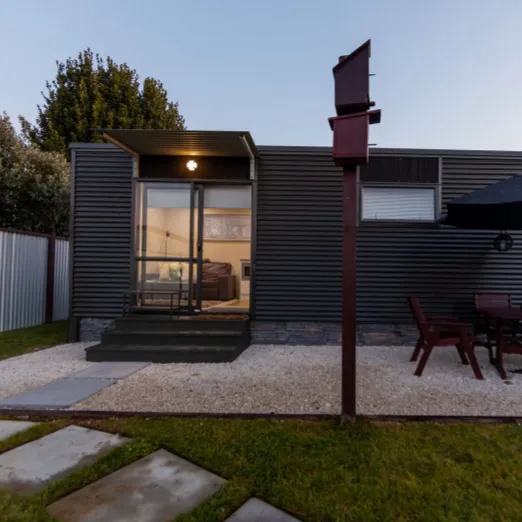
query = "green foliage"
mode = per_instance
[
  {"x": 24, "y": 340},
  {"x": 34, "y": 185},
  {"x": 91, "y": 93},
  {"x": 411, "y": 472}
]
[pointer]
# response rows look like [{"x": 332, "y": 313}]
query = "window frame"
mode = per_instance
[
  {"x": 432, "y": 186},
  {"x": 391, "y": 184}
]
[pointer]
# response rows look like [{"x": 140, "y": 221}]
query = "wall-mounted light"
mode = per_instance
[
  {"x": 503, "y": 242},
  {"x": 192, "y": 165}
]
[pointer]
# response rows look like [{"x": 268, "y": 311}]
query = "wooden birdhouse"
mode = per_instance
[{"x": 352, "y": 104}]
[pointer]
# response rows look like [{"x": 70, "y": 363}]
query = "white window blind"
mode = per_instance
[{"x": 398, "y": 204}]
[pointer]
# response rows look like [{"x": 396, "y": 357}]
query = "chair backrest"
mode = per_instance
[
  {"x": 492, "y": 301},
  {"x": 418, "y": 314}
]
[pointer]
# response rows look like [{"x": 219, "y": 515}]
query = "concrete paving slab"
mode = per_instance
[
  {"x": 57, "y": 394},
  {"x": 155, "y": 488},
  {"x": 109, "y": 370},
  {"x": 255, "y": 510},
  {"x": 8, "y": 427},
  {"x": 29, "y": 468}
]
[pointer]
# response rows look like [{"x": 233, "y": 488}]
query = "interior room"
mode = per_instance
[{"x": 225, "y": 253}]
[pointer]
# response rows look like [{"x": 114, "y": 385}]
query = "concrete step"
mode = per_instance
[
  {"x": 165, "y": 353},
  {"x": 181, "y": 338}
]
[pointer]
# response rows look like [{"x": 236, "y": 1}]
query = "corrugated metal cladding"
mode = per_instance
[
  {"x": 299, "y": 236},
  {"x": 299, "y": 227},
  {"x": 101, "y": 230},
  {"x": 23, "y": 276}
]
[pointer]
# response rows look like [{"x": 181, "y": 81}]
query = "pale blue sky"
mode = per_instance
[{"x": 448, "y": 73}]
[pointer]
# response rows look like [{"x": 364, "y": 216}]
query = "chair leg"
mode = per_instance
[
  {"x": 462, "y": 353},
  {"x": 418, "y": 348},
  {"x": 491, "y": 355},
  {"x": 489, "y": 346},
  {"x": 473, "y": 361},
  {"x": 423, "y": 360}
]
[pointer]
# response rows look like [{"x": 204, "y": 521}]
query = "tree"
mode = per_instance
[
  {"x": 34, "y": 185},
  {"x": 91, "y": 93}
]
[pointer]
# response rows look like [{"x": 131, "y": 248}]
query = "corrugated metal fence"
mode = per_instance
[{"x": 24, "y": 292}]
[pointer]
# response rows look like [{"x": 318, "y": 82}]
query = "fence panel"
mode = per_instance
[
  {"x": 61, "y": 280},
  {"x": 23, "y": 266}
]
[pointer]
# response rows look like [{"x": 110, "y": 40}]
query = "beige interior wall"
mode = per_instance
[
  {"x": 155, "y": 243},
  {"x": 177, "y": 223},
  {"x": 227, "y": 251}
]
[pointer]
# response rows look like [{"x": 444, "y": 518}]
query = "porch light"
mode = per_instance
[
  {"x": 192, "y": 165},
  {"x": 503, "y": 242}
]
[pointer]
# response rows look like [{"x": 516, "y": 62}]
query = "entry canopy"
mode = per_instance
[
  {"x": 495, "y": 207},
  {"x": 183, "y": 143}
]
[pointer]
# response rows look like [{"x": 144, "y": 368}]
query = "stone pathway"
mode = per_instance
[
  {"x": 155, "y": 488},
  {"x": 255, "y": 510},
  {"x": 9, "y": 428},
  {"x": 76, "y": 387},
  {"x": 29, "y": 468}
]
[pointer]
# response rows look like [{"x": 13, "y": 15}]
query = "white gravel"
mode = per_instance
[
  {"x": 286, "y": 379},
  {"x": 264, "y": 379},
  {"x": 25, "y": 372},
  {"x": 306, "y": 379},
  {"x": 386, "y": 384}
]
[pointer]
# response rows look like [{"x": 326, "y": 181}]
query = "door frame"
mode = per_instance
[{"x": 197, "y": 188}]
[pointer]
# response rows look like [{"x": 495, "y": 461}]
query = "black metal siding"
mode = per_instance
[
  {"x": 299, "y": 243},
  {"x": 298, "y": 249},
  {"x": 101, "y": 230}
]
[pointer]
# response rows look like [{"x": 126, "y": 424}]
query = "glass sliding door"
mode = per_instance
[
  {"x": 167, "y": 249},
  {"x": 226, "y": 238}
]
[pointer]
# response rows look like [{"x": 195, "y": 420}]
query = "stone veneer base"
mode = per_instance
[
  {"x": 293, "y": 332},
  {"x": 91, "y": 328}
]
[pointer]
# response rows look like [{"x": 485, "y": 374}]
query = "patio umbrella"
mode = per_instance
[{"x": 495, "y": 207}]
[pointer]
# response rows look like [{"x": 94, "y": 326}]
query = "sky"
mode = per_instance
[{"x": 447, "y": 73}]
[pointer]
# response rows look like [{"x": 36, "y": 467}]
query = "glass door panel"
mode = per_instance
[
  {"x": 166, "y": 245},
  {"x": 226, "y": 228}
]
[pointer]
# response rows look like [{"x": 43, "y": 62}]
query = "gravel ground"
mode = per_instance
[
  {"x": 286, "y": 379},
  {"x": 386, "y": 384},
  {"x": 306, "y": 379},
  {"x": 25, "y": 372},
  {"x": 264, "y": 379}
]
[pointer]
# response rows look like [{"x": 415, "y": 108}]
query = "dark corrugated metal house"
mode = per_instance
[{"x": 184, "y": 224}]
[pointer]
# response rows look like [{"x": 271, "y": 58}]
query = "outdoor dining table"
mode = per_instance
[{"x": 504, "y": 345}]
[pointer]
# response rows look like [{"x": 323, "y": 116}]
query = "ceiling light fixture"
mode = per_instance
[{"x": 192, "y": 165}]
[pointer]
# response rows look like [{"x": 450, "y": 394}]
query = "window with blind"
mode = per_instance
[{"x": 398, "y": 204}]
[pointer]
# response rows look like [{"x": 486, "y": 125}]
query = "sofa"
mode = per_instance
[{"x": 217, "y": 282}]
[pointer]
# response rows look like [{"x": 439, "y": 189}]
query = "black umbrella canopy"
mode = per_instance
[{"x": 495, "y": 207}]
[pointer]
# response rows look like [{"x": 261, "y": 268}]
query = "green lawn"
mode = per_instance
[
  {"x": 322, "y": 472},
  {"x": 18, "y": 342}
]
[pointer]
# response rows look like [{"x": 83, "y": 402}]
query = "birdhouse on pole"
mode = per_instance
[
  {"x": 352, "y": 104},
  {"x": 350, "y": 149}
]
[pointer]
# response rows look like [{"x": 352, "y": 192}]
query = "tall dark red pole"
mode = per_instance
[
  {"x": 49, "y": 290},
  {"x": 349, "y": 334},
  {"x": 350, "y": 149}
]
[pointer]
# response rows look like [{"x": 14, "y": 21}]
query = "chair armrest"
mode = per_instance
[{"x": 435, "y": 328}]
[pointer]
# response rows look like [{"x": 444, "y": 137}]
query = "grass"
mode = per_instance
[
  {"x": 24, "y": 340},
  {"x": 319, "y": 471}
]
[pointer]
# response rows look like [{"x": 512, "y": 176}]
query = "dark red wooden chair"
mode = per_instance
[
  {"x": 483, "y": 325},
  {"x": 442, "y": 331}
]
